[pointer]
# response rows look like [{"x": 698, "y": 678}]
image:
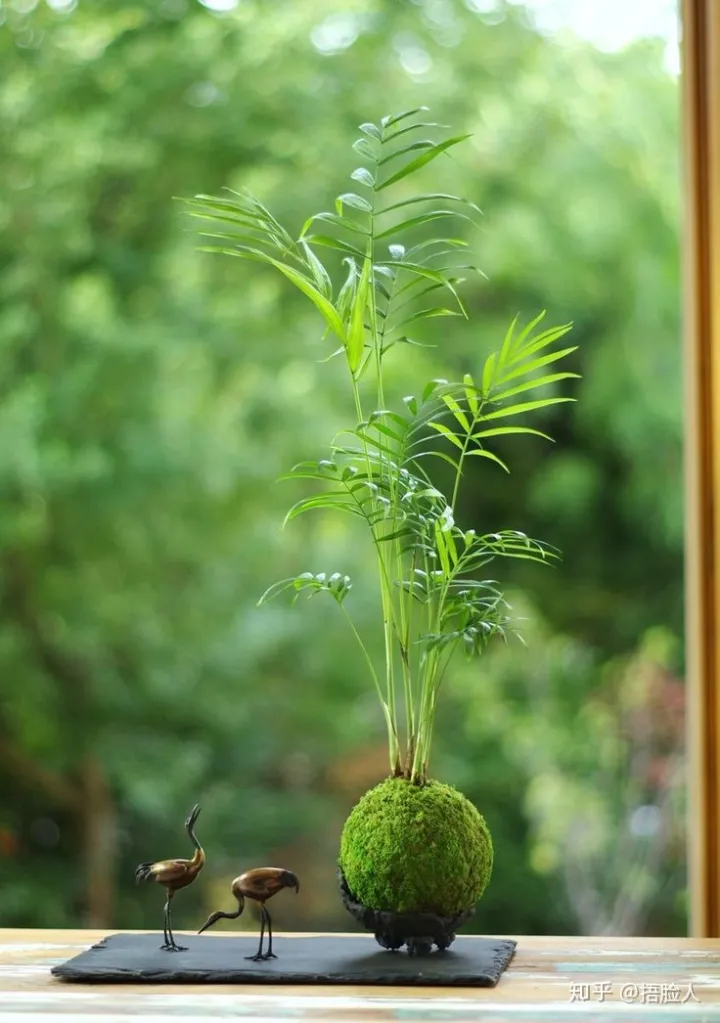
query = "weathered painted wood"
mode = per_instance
[{"x": 553, "y": 979}]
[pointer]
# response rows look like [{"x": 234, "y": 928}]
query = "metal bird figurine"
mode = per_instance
[
  {"x": 174, "y": 875},
  {"x": 259, "y": 885}
]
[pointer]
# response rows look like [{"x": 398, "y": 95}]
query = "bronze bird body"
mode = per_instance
[
  {"x": 259, "y": 885},
  {"x": 174, "y": 875}
]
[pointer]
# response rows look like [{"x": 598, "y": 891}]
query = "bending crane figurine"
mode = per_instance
[
  {"x": 174, "y": 875},
  {"x": 259, "y": 885}
]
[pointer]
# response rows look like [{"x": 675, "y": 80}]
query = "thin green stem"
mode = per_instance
[
  {"x": 425, "y": 673},
  {"x": 376, "y": 340},
  {"x": 437, "y": 682},
  {"x": 359, "y": 414},
  {"x": 429, "y": 685},
  {"x": 393, "y": 574},
  {"x": 364, "y": 649},
  {"x": 387, "y": 614},
  {"x": 404, "y": 642},
  {"x": 458, "y": 474},
  {"x": 390, "y": 673},
  {"x": 420, "y": 756},
  {"x": 373, "y": 673},
  {"x": 409, "y": 696}
]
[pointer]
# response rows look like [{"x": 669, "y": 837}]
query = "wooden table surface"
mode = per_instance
[{"x": 550, "y": 980}]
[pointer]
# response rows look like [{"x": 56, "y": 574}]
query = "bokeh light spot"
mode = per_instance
[{"x": 221, "y": 6}]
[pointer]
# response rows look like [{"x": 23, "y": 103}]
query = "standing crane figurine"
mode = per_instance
[
  {"x": 174, "y": 875},
  {"x": 259, "y": 885}
]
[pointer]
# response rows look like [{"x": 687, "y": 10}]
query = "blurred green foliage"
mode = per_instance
[{"x": 152, "y": 394}]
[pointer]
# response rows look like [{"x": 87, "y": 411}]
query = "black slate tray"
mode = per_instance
[{"x": 322, "y": 959}]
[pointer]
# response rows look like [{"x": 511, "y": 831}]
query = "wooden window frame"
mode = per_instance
[{"x": 701, "y": 120}]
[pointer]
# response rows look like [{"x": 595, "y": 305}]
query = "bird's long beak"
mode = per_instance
[{"x": 212, "y": 919}]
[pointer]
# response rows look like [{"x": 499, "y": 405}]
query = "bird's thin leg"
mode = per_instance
[
  {"x": 269, "y": 954},
  {"x": 172, "y": 944},
  {"x": 166, "y": 943},
  {"x": 258, "y": 955}
]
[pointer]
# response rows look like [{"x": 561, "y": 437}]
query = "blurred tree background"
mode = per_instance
[{"x": 151, "y": 394}]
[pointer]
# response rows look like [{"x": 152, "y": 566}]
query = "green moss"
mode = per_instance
[{"x": 406, "y": 848}]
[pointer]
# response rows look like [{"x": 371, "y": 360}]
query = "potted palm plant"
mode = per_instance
[{"x": 415, "y": 854}]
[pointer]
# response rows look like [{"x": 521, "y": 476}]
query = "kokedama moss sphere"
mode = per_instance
[{"x": 409, "y": 848}]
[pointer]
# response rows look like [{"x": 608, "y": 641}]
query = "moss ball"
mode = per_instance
[{"x": 409, "y": 848}]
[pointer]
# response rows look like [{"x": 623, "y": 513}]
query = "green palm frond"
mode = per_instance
[{"x": 373, "y": 274}]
